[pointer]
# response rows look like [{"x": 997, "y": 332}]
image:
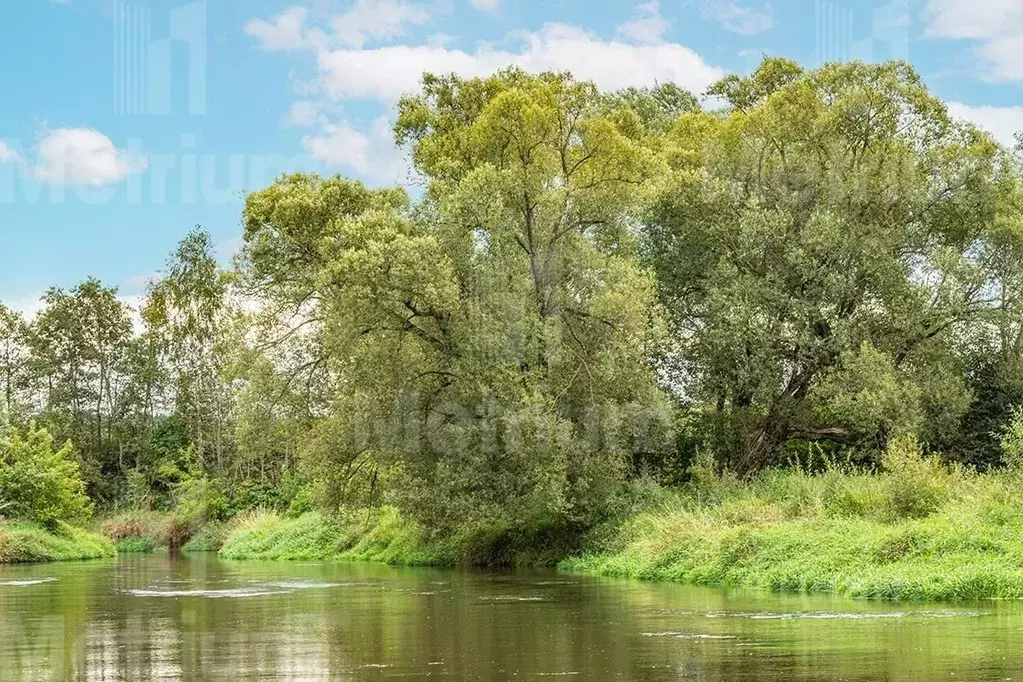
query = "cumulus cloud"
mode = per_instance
[
  {"x": 386, "y": 73},
  {"x": 82, "y": 156},
  {"x": 372, "y": 20},
  {"x": 349, "y": 68},
  {"x": 302, "y": 114},
  {"x": 738, "y": 18},
  {"x": 1002, "y": 122},
  {"x": 995, "y": 25},
  {"x": 284, "y": 32},
  {"x": 371, "y": 154},
  {"x": 486, "y": 5},
  {"x": 364, "y": 22},
  {"x": 646, "y": 25}
]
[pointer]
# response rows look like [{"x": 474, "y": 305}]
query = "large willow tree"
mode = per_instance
[
  {"x": 824, "y": 246},
  {"x": 489, "y": 348}
]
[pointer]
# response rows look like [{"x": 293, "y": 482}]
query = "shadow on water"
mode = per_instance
[{"x": 173, "y": 617}]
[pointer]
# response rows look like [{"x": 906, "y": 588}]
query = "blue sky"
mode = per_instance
[{"x": 126, "y": 123}]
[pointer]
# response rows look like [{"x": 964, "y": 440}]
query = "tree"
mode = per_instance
[
  {"x": 39, "y": 483},
  {"x": 13, "y": 362},
  {"x": 187, "y": 312},
  {"x": 829, "y": 221},
  {"x": 489, "y": 343},
  {"x": 78, "y": 342}
]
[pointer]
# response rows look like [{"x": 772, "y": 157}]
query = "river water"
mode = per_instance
[{"x": 175, "y": 618}]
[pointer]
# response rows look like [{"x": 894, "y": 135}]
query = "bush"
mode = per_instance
[
  {"x": 38, "y": 483},
  {"x": 915, "y": 486},
  {"x": 28, "y": 542}
]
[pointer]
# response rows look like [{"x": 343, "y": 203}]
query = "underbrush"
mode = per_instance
[
  {"x": 383, "y": 535},
  {"x": 26, "y": 543},
  {"x": 138, "y": 531},
  {"x": 919, "y": 531}
]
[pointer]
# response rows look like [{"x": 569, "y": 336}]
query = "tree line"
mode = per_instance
[{"x": 586, "y": 290}]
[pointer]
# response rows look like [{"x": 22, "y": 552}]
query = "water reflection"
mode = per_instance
[{"x": 178, "y": 618}]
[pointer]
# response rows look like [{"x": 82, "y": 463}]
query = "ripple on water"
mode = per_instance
[
  {"x": 239, "y": 593},
  {"x": 686, "y": 635},
  {"x": 511, "y": 598},
  {"x": 311, "y": 585},
  {"x": 27, "y": 582}
]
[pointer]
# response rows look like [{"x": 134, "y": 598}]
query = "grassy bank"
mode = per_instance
[
  {"x": 385, "y": 536},
  {"x": 917, "y": 532},
  {"x": 25, "y": 543}
]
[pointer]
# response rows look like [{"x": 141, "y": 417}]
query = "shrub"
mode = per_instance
[
  {"x": 915, "y": 486},
  {"x": 1011, "y": 441},
  {"x": 199, "y": 501},
  {"x": 39, "y": 483}
]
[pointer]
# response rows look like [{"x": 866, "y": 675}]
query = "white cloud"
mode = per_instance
[
  {"x": 1002, "y": 122},
  {"x": 996, "y": 25},
  {"x": 284, "y": 32},
  {"x": 976, "y": 19},
  {"x": 738, "y": 18},
  {"x": 372, "y": 20},
  {"x": 371, "y": 154},
  {"x": 386, "y": 73},
  {"x": 364, "y": 22},
  {"x": 646, "y": 26},
  {"x": 82, "y": 156},
  {"x": 348, "y": 70},
  {"x": 302, "y": 114},
  {"x": 486, "y": 5},
  {"x": 7, "y": 153}
]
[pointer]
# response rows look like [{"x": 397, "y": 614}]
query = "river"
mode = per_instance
[{"x": 165, "y": 617}]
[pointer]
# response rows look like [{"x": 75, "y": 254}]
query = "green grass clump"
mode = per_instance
[
  {"x": 918, "y": 531},
  {"x": 369, "y": 535},
  {"x": 135, "y": 545},
  {"x": 26, "y": 543},
  {"x": 383, "y": 535},
  {"x": 266, "y": 535}
]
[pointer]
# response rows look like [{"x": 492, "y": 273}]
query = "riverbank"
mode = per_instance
[
  {"x": 918, "y": 531},
  {"x": 29, "y": 543},
  {"x": 921, "y": 533},
  {"x": 385, "y": 536}
]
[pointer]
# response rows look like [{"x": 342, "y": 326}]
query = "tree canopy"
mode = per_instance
[{"x": 586, "y": 290}]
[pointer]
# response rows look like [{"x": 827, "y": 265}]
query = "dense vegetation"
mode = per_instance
[{"x": 597, "y": 302}]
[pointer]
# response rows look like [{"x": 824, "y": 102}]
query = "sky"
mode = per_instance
[{"x": 126, "y": 123}]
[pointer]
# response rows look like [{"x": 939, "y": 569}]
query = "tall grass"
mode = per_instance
[
  {"x": 25, "y": 543},
  {"x": 918, "y": 531},
  {"x": 383, "y": 535}
]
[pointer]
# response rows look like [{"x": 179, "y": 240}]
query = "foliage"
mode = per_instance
[
  {"x": 487, "y": 346},
  {"x": 1011, "y": 441},
  {"x": 857, "y": 534},
  {"x": 39, "y": 483},
  {"x": 27, "y": 543},
  {"x": 823, "y": 247},
  {"x": 384, "y": 535},
  {"x": 596, "y": 296}
]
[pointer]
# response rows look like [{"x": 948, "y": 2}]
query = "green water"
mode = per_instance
[{"x": 199, "y": 618}]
